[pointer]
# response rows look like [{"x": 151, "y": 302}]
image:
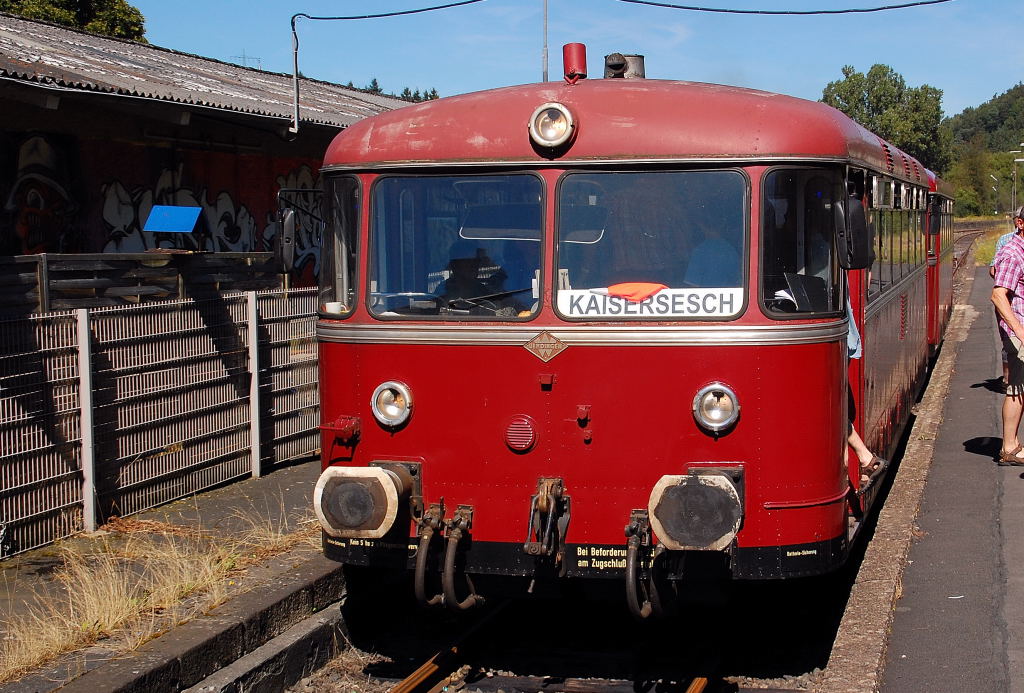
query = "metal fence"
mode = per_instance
[{"x": 111, "y": 411}]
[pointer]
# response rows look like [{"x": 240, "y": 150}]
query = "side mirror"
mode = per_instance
[
  {"x": 854, "y": 244},
  {"x": 284, "y": 243},
  {"x": 935, "y": 217}
]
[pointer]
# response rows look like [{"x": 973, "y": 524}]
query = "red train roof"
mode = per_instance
[
  {"x": 619, "y": 120},
  {"x": 938, "y": 185}
]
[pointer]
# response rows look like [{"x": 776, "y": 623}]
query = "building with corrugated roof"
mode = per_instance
[{"x": 96, "y": 130}]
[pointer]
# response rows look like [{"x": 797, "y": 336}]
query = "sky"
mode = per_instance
[{"x": 970, "y": 49}]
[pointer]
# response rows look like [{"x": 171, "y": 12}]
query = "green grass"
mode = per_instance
[{"x": 985, "y": 247}]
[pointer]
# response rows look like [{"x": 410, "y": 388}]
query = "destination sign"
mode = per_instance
[{"x": 666, "y": 303}]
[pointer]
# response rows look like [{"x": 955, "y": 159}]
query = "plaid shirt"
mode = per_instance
[{"x": 1010, "y": 275}]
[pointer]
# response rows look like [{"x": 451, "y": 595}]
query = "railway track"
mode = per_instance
[
  {"x": 726, "y": 638},
  {"x": 963, "y": 245},
  {"x": 523, "y": 647},
  {"x": 447, "y": 671}
]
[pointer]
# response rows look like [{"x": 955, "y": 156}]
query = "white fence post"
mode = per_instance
[
  {"x": 254, "y": 381},
  {"x": 88, "y": 452}
]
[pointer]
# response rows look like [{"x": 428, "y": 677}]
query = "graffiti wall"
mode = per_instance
[{"x": 62, "y": 194}]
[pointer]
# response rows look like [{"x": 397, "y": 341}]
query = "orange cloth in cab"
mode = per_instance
[{"x": 635, "y": 291}]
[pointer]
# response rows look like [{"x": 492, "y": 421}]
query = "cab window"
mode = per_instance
[{"x": 800, "y": 274}]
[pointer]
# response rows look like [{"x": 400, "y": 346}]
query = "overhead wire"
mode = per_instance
[
  {"x": 388, "y": 14},
  {"x": 294, "y": 128},
  {"x": 722, "y": 10}
]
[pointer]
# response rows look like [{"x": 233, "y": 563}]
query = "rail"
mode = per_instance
[
  {"x": 452, "y": 668},
  {"x": 960, "y": 255}
]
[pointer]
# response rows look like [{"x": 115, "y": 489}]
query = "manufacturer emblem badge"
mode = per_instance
[{"x": 546, "y": 346}]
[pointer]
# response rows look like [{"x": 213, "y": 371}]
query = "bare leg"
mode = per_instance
[
  {"x": 1013, "y": 407},
  {"x": 864, "y": 456}
]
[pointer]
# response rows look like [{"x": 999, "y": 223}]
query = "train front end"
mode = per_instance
[{"x": 582, "y": 331}]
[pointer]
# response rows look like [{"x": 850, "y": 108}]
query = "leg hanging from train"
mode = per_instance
[{"x": 548, "y": 524}]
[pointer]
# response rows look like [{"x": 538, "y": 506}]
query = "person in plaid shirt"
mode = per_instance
[
  {"x": 1008, "y": 298},
  {"x": 1003, "y": 240}
]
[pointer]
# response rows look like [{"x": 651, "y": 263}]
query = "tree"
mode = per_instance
[
  {"x": 373, "y": 87},
  {"x": 908, "y": 117},
  {"x": 106, "y": 17},
  {"x": 1001, "y": 120}
]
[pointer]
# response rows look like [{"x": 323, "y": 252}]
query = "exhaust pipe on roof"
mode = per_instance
[
  {"x": 619, "y": 66},
  {"x": 574, "y": 62}
]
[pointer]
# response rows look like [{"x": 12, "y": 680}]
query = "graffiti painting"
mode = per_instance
[{"x": 41, "y": 206}]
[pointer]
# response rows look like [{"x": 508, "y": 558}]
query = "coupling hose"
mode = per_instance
[
  {"x": 420, "y": 581},
  {"x": 454, "y": 536},
  {"x": 639, "y": 611}
]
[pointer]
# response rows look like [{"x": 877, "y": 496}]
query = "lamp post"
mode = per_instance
[
  {"x": 1013, "y": 196},
  {"x": 995, "y": 189}
]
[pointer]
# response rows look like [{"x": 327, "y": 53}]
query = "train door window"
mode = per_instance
[
  {"x": 800, "y": 273},
  {"x": 338, "y": 245},
  {"x": 651, "y": 244},
  {"x": 454, "y": 247}
]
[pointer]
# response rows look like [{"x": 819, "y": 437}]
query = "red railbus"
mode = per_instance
[{"x": 553, "y": 312}]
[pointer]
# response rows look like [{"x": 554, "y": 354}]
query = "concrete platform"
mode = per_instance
[{"x": 959, "y": 624}]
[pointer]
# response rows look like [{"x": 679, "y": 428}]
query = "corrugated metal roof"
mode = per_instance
[{"x": 56, "y": 56}]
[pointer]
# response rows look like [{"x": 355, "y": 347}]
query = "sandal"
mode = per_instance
[
  {"x": 1011, "y": 458},
  {"x": 871, "y": 473},
  {"x": 876, "y": 465}
]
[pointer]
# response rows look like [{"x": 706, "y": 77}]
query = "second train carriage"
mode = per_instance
[{"x": 555, "y": 312}]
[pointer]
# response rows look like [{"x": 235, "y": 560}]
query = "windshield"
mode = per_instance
[
  {"x": 666, "y": 244},
  {"x": 456, "y": 246}
]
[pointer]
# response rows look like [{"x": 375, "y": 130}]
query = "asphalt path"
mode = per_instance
[{"x": 959, "y": 624}]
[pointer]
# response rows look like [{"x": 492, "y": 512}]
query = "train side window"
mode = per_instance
[
  {"x": 800, "y": 273},
  {"x": 875, "y": 287},
  {"x": 884, "y": 251},
  {"x": 900, "y": 242},
  {"x": 338, "y": 246}
]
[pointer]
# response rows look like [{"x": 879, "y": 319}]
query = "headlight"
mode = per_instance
[
  {"x": 715, "y": 407},
  {"x": 551, "y": 125},
  {"x": 391, "y": 403}
]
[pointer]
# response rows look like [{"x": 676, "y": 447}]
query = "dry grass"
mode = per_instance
[
  {"x": 134, "y": 584},
  {"x": 265, "y": 534}
]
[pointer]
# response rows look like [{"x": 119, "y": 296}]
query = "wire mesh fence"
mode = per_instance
[{"x": 112, "y": 411}]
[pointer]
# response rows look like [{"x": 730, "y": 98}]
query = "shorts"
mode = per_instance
[{"x": 1015, "y": 361}]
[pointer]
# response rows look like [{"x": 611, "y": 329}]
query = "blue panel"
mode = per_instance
[{"x": 166, "y": 219}]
